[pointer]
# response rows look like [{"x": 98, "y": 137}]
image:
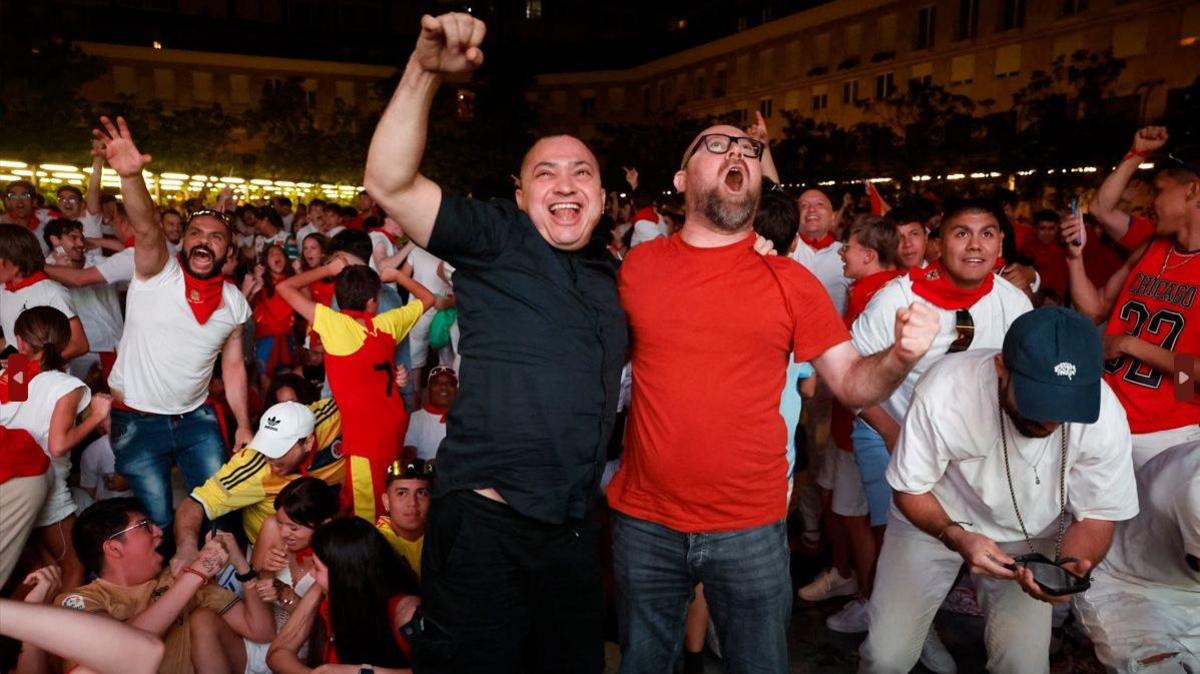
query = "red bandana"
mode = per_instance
[
  {"x": 14, "y": 286},
  {"x": 128, "y": 243},
  {"x": 365, "y": 316},
  {"x": 862, "y": 290},
  {"x": 439, "y": 412},
  {"x": 934, "y": 285},
  {"x": 818, "y": 244},
  {"x": 647, "y": 213},
  {"x": 203, "y": 295}
]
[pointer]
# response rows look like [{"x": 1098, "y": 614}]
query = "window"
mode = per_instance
[
  {"x": 793, "y": 57},
  {"x": 1012, "y": 15},
  {"x": 766, "y": 65},
  {"x": 164, "y": 83},
  {"x": 887, "y": 31},
  {"x": 962, "y": 69},
  {"x": 274, "y": 85},
  {"x": 701, "y": 85},
  {"x": 124, "y": 80},
  {"x": 587, "y": 106},
  {"x": 849, "y": 92},
  {"x": 719, "y": 81},
  {"x": 923, "y": 73},
  {"x": 344, "y": 90},
  {"x": 820, "y": 97},
  {"x": 309, "y": 86},
  {"x": 885, "y": 85},
  {"x": 202, "y": 87},
  {"x": 1073, "y": 7},
  {"x": 1066, "y": 45},
  {"x": 645, "y": 100},
  {"x": 558, "y": 102},
  {"x": 616, "y": 99},
  {"x": 239, "y": 89},
  {"x": 968, "y": 19},
  {"x": 1008, "y": 61},
  {"x": 1129, "y": 38},
  {"x": 660, "y": 94},
  {"x": 742, "y": 76},
  {"x": 926, "y": 22},
  {"x": 821, "y": 49},
  {"x": 791, "y": 100},
  {"x": 765, "y": 107},
  {"x": 533, "y": 9},
  {"x": 853, "y": 43}
]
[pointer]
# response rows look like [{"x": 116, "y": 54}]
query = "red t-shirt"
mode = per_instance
[
  {"x": 706, "y": 448},
  {"x": 1158, "y": 305},
  {"x": 1051, "y": 263}
]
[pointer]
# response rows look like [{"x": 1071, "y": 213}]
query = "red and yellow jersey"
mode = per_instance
[
  {"x": 1157, "y": 305},
  {"x": 247, "y": 483},
  {"x": 409, "y": 550},
  {"x": 360, "y": 365}
]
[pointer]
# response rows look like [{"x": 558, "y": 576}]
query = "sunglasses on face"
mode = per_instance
[
  {"x": 143, "y": 523},
  {"x": 965, "y": 326},
  {"x": 719, "y": 143}
]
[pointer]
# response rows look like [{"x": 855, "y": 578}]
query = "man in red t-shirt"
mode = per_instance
[
  {"x": 701, "y": 492},
  {"x": 1150, "y": 302}
]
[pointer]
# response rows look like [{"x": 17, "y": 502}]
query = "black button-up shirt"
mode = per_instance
[{"x": 543, "y": 342}]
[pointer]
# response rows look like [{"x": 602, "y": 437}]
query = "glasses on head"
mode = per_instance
[
  {"x": 417, "y": 468},
  {"x": 208, "y": 211},
  {"x": 719, "y": 143},
  {"x": 1180, "y": 162},
  {"x": 965, "y": 326},
  {"x": 20, "y": 196},
  {"x": 143, "y": 523},
  {"x": 442, "y": 369}
]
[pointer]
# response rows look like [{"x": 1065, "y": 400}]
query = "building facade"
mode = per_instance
[{"x": 826, "y": 62}]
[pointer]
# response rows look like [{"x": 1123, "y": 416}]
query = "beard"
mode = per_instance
[
  {"x": 729, "y": 215},
  {"x": 216, "y": 263},
  {"x": 1024, "y": 426}
]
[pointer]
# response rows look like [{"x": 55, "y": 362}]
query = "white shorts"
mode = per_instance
[
  {"x": 849, "y": 498},
  {"x": 59, "y": 504},
  {"x": 1129, "y": 622},
  {"x": 418, "y": 339}
]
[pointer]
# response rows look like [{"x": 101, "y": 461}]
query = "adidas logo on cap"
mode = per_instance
[{"x": 271, "y": 424}]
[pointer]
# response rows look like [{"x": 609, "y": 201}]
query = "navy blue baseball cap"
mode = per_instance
[{"x": 1056, "y": 362}]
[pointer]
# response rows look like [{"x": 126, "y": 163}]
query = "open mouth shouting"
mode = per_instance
[
  {"x": 735, "y": 177},
  {"x": 566, "y": 213},
  {"x": 201, "y": 259}
]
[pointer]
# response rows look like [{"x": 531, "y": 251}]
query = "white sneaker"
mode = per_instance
[
  {"x": 934, "y": 655},
  {"x": 853, "y": 618},
  {"x": 828, "y": 584}
]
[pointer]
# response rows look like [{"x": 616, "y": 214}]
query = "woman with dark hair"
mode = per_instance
[
  {"x": 291, "y": 387},
  {"x": 313, "y": 250},
  {"x": 283, "y": 554},
  {"x": 369, "y": 593},
  {"x": 274, "y": 345},
  {"x": 47, "y": 409}
]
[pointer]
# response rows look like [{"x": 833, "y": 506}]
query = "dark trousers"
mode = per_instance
[{"x": 512, "y": 594}]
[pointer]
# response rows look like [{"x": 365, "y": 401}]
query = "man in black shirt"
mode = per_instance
[{"x": 509, "y": 569}]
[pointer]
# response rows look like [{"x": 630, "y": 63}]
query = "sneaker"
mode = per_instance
[
  {"x": 852, "y": 619},
  {"x": 828, "y": 584},
  {"x": 934, "y": 655}
]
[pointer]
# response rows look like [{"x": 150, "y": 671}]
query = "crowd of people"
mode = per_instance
[{"x": 457, "y": 434}]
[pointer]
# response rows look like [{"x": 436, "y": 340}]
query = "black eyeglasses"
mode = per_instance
[
  {"x": 965, "y": 325},
  {"x": 719, "y": 143},
  {"x": 143, "y": 523},
  {"x": 415, "y": 469}
]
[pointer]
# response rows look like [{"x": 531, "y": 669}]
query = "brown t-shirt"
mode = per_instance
[{"x": 124, "y": 602}]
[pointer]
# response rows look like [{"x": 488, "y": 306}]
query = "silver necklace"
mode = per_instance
[{"x": 1062, "y": 488}]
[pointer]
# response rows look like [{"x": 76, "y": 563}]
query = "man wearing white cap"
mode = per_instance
[
  {"x": 292, "y": 441},
  {"x": 1018, "y": 462}
]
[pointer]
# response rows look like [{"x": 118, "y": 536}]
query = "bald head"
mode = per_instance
[
  {"x": 560, "y": 190},
  {"x": 548, "y": 147}
]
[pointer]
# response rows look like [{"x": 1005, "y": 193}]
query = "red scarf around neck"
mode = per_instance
[
  {"x": 128, "y": 243},
  {"x": 203, "y": 295},
  {"x": 933, "y": 284},
  {"x": 439, "y": 412},
  {"x": 35, "y": 277},
  {"x": 862, "y": 290},
  {"x": 365, "y": 316},
  {"x": 818, "y": 244}
]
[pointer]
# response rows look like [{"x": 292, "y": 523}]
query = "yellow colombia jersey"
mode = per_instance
[
  {"x": 247, "y": 483},
  {"x": 409, "y": 550}
]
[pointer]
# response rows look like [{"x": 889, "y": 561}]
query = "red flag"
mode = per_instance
[{"x": 878, "y": 205}]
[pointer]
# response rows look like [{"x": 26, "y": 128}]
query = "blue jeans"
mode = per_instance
[
  {"x": 870, "y": 452},
  {"x": 746, "y": 581},
  {"x": 145, "y": 445}
]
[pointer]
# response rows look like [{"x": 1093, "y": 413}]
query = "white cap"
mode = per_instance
[{"x": 281, "y": 427}]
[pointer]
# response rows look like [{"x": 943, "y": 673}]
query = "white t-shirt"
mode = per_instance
[
  {"x": 647, "y": 230},
  {"x": 826, "y": 265},
  {"x": 165, "y": 358},
  {"x": 425, "y": 267},
  {"x": 280, "y": 239},
  {"x": 381, "y": 246},
  {"x": 288, "y": 220},
  {"x": 1150, "y": 549},
  {"x": 950, "y": 444},
  {"x": 33, "y": 415},
  {"x": 875, "y": 329},
  {"x": 304, "y": 232},
  {"x": 45, "y": 293},
  {"x": 99, "y": 310},
  {"x": 119, "y": 267},
  {"x": 425, "y": 432},
  {"x": 96, "y": 462}
]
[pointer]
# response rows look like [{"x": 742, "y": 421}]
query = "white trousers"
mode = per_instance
[
  {"x": 1130, "y": 622},
  {"x": 914, "y": 575},
  {"x": 1146, "y": 446}
]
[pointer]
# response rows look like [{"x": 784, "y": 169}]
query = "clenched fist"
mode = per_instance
[
  {"x": 450, "y": 43},
  {"x": 916, "y": 327}
]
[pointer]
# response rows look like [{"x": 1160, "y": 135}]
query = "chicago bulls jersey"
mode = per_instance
[{"x": 1156, "y": 305}]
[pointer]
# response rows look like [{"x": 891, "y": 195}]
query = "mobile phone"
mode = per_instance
[
  {"x": 1074, "y": 213},
  {"x": 212, "y": 529}
]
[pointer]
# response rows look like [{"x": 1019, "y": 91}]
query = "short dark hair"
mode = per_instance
[
  {"x": 172, "y": 211},
  {"x": 58, "y": 227},
  {"x": 1046, "y": 215},
  {"x": 355, "y": 286},
  {"x": 306, "y": 393},
  {"x": 354, "y": 242},
  {"x": 20, "y": 246},
  {"x": 308, "y": 501},
  {"x": 879, "y": 234},
  {"x": 349, "y": 212},
  {"x": 69, "y": 188},
  {"x": 904, "y": 215},
  {"x": 777, "y": 219},
  {"x": 98, "y": 523},
  {"x": 317, "y": 202},
  {"x": 969, "y": 206},
  {"x": 20, "y": 183},
  {"x": 282, "y": 201}
]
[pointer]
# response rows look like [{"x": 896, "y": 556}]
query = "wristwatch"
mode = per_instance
[{"x": 243, "y": 577}]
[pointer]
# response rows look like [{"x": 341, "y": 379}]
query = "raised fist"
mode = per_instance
[
  {"x": 1150, "y": 138},
  {"x": 916, "y": 327},
  {"x": 450, "y": 43}
]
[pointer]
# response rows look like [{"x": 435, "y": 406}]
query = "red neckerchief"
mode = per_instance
[
  {"x": 366, "y": 316},
  {"x": 1000, "y": 264},
  {"x": 647, "y": 213},
  {"x": 35, "y": 277},
  {"x": 22, "y": 455},
  {"x": 933, "y": 284},
  {"x": 128, "y": 243},
  {"x": 439, "y": 412},
  {"x": 862, "y": 290},
  {"x": 203, "y": 295},
  {"x": 818, "y": 244},
  {"x": 303, "y": 554},
  {"x": 31, "y": 370}
]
